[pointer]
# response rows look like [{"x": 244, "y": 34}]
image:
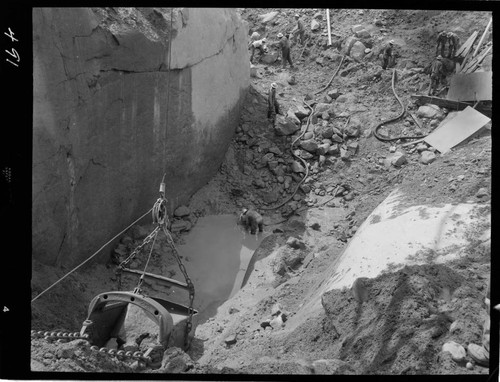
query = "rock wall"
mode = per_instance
[{"x": 109, "y": 118}]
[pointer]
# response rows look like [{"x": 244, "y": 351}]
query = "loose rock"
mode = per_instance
[
  {"x": 181, "y": 211},
  {"x": 427, "y": 157},
  {"x": 457, "y": 351},
  {"x": 295, "y": 243},
  {"x": 478, "y": 354}
]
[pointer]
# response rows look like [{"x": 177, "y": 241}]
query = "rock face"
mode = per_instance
[{"x": 108, "y": 115}]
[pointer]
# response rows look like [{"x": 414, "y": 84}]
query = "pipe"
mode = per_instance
[
  {"x": 328, "y": 24},
  {"x": 482, "y": 37}
]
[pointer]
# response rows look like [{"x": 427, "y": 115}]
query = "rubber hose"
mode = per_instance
[{"x": 403, "y": 111}]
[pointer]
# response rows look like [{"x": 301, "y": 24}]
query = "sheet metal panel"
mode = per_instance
[
  {"x": 465, "y": 124},
  {"x": 475, "y": 86}
]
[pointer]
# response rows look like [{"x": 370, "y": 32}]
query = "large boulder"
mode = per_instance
[
  {"x": 457, "y": 351},
  {"x": 290, "y": 114},
  {"x": 323, "y": 148},
  {"x": 315, "y": 25},
  {"x": 266, "y": 17},
  {"x": 427, "y": 157},
  {"x": 363, "y": 33},
  {"x": 357, "y": 51},
  {"x": 348, "y": 43},
  {"x": 430, "y": 111},
  {"x": 297, "y": 167},
  {"x": 301, "y": 111},
  {"x": 398, "y": 159},
  {"x": 309, "y": 145},
  {"x": 182, "y": 211},
  {"x": 357, "y": 28},
  {"x": 269, "y": 58},
  {"x": 326, "y": 132},
  {"x": 285, "y": 126}
]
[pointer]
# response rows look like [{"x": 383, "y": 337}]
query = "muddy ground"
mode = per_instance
[{"x": 401, "y": 327}]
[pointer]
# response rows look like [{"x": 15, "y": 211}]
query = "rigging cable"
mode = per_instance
[{"x": 99, "y": 250}]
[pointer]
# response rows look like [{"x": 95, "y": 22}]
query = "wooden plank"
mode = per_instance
[
  {"x": 466, "y": 45},
  {"x": 477, "y": 61},
  {"x": 441, "y": 102},
  {"x": 458, "y": 129},
  {"x": 482, "y": 37},
  {"x": 467, "y": 52}
]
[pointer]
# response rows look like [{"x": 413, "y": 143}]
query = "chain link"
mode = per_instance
[
  {"x": 134, "y": 253},
  {"x": 61, "y": 337}
]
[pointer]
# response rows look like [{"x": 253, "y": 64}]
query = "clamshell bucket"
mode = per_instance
[{"x": 131, "y": 317}]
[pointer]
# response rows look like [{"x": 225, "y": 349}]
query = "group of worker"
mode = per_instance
[
  {"x": 283, "y": 43},
  {"x": 438, "y": 70}
]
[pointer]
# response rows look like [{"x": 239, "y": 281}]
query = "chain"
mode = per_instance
[
  {"x": 62, "y": 337},
  {"x": 134, "y": 253},
  {"x": 189, "y": 323}
]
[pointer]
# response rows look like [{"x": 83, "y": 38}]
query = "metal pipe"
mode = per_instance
[{"x": 328, "y": 25}]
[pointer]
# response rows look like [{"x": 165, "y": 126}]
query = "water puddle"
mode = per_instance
[{"x": 219, "y": 253}]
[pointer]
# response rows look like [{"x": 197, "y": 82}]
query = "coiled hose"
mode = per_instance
[{"x": 403, "y": 111}]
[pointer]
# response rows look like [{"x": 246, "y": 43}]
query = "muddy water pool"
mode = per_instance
[{"x": 218, "y": 253}]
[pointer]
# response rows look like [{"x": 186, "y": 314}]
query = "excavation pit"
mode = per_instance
[{"x": 219, "y": 252}]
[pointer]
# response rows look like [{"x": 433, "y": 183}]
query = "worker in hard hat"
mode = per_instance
[
  {"x": 387, "y": 54},
  {"x": 300, "y": 29},
  {"x": 273, "y": 106},
  {"x": 453, "y": 42},
  {"x": 285, "y": 50},
  {"x": 260, "y": 45},
  {"x": 254, "y": 37},
  {"x": 437, "y": 74},
  {"x": 441, "y": 42}
]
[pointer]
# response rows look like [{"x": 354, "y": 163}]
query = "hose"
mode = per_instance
[
  {"x": 403, "y": 111},
  {"x": 331, "y": 79},
  {"x": 299, "y": 158}
]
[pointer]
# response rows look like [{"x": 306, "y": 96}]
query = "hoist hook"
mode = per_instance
[{"x": 160, "y": 206}]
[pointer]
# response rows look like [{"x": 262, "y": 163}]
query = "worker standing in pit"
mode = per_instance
[
  {"x": 387, "y": 54},
  {"x": 273, "y": 106},
  {"x": 441, "y": 42},
  {"x": 285, "y": 50},
  {"x": 260, "y": 45},
  {"x": 300, "y": 29},
  {"x": 453, "y": 42},
  {"x": 437, "y": 74}
]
